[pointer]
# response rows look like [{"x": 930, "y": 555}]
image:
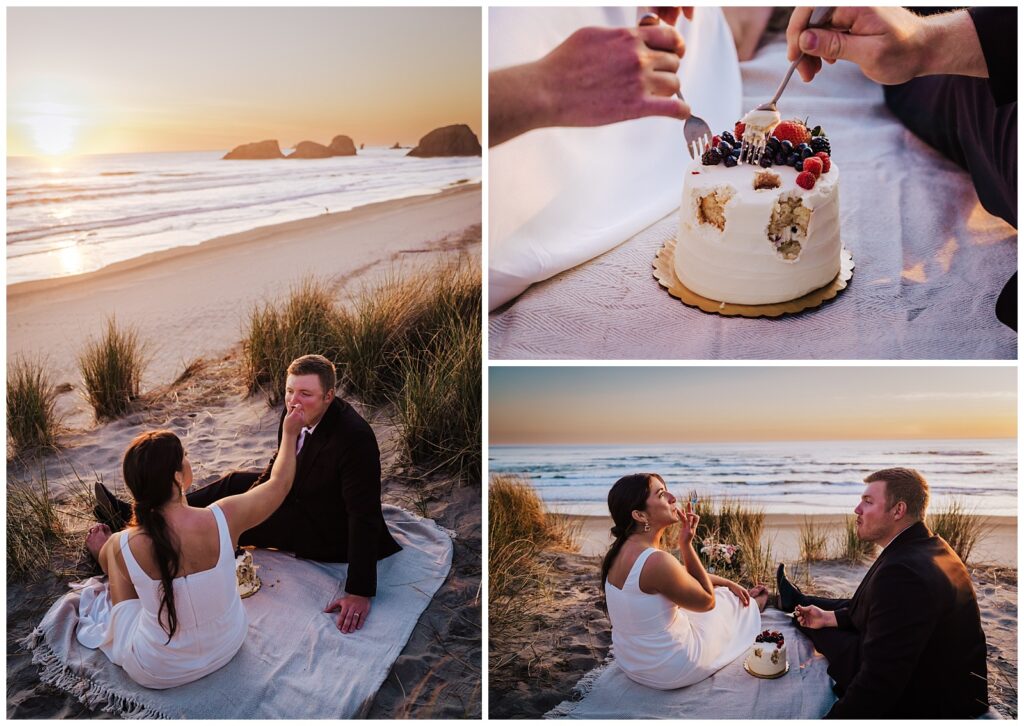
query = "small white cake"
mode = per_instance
[
  {"x": 245, "y": 572},
  {"x": 753, "y": 236},
  {"x": 768, "y": 655}
]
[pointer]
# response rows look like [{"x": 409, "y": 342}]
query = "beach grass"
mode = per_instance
[
  {"x": 814, "y": 541},
  {"x": 726, "y": 521},
  {"x": 111, "y": 369},
  {"x": 34, "y": 529},
  {"x": 32, "y": 420},
  {"x": 411, "y": 343},
  {"x": 276, "y": 334},
  {"x": 519, "y": 530},
  {"x": 851, "y": 547},
  {"x": 961, "y": 528}
]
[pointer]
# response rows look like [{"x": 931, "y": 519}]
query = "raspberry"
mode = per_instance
[
  {"x": 738, "y": 131},
  {"x": 715, "y": 141},
  {"x": 813, "y": 164},
  {"x": 826, "y": 163},
  {"x": 793, "y": 131},
  {"x": 805, "y": 179}
]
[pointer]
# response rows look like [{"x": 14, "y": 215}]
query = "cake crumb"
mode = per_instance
[
  {"x": 788, "y": 226},
  {"x": 767, "y": 180},
  {"x": 711, "y": 208}
]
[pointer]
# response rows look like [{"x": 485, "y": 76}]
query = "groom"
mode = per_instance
[
  {"x": 333, "y": 511},
  {"x": 909, "y": 643}
]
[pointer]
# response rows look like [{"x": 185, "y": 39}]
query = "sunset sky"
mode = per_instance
[
  {"x": 531, "y": 405},
  {"x": 106, "y": 80}
]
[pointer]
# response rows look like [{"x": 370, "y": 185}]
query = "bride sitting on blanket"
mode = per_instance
[
  {"x": 171, "y": 612},
  {"x": 673, "y": 624}
]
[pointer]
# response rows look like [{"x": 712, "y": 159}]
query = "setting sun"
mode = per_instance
[{"x": 53, "y": 129}]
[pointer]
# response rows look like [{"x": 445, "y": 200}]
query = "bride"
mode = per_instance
[
  {"x": 673, "y": 624},
  {"x": 170, "y": 612}
]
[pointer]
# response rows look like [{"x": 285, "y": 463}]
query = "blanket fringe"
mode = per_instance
[
  {"x": 580, "y": 691},
  {"x": 93, "y": 695}
]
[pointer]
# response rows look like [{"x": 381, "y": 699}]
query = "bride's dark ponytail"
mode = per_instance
[
  {"x": 149, "y": 467},
  {"x": 627, "y": 495}
]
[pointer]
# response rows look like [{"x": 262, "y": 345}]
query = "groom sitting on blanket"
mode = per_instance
[
  {"x": 909, "y": 643},
  {"x": 333, "y": 512}
]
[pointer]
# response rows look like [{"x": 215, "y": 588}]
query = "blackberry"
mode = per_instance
[
  {"x": 711, "y": 157},
  {"x": 730, "y": 161},
  {"x": 728, "y": 138},
  {"x": 820, "y": 143}
]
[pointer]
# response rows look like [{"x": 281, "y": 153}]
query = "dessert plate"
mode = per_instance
[{"x": 665, "y": 274}]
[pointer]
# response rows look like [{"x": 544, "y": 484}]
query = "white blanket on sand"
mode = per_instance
[
  {"x": 930, "y": 261},
  {"x": 294, "y": 662},
  {"x": 803, "y": 693}
]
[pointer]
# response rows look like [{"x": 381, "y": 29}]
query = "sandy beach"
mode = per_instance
[
  {"x": 190, "y": 303},
  {"x": 568, "y": 633}
]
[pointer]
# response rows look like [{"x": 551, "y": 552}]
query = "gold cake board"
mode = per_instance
[{"x": 665, "y": 274}]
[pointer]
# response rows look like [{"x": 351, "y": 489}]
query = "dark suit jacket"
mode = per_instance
[
  {"x": 921, "y": 646},
  {"x": 333, "y": 511}
]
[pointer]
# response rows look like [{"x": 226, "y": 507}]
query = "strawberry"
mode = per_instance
[
  {"x": 793, "y": 131},
  {"x": 826, "y": 163},
  {"x": 813, "y": 164},
  {"x": 805, "y": 179},
  {"x": 740, "y": 128}
]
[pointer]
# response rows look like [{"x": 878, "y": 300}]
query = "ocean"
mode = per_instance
[
  {"x": 97, "y": 210},
  {"x": 779, "y": 477}
]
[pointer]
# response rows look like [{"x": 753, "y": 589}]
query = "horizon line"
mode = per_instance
[{"x": 758, "y": 441}]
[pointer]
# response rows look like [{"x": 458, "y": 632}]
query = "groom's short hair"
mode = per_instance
[
  {"x": 903, "y": 485},
  {"x": 318, "y": 365}
]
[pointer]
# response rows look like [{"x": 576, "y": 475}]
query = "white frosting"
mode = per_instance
[
  {"x": 759, "y": 123},
  {"x": 767, "y": 660},
  {"x": 739, "y": 264}
]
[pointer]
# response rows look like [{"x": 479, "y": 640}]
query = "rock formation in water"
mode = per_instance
[
  {"x": 310, "y": 150},
  {"x": 455, "y": 140},
  {"x": 257, "y": 150},
  {"x": 342, "y": 146}
]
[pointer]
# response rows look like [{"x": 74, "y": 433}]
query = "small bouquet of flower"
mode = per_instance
[{"x": 718, "y": 553}]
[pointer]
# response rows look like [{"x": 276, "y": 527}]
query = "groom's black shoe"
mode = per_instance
[
  {"x": 110, "y": 510},
  {"x": 789, "y": 594}
]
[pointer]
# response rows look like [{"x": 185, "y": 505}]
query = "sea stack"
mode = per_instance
[
  {"x": 310, "y": 150},
  {"x": 455, "y": 140},
  {"x": 257, "y": 150},
  {"x": 342, "y": 146}
]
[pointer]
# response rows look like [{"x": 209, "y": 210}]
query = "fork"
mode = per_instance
[
  {"x": 696, "y": 130},
  {"x": 750, "y": 153}
]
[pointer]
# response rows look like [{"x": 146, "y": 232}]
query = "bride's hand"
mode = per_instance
[
  {"x": 294, "y": 421},
  {"x": 687, "y": 525},
  {"x": 740, "y": 592}
]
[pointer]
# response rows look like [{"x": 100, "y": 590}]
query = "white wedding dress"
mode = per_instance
[
  {"x": 211, "y": 620},
  {"x": 660, "y": 645}
]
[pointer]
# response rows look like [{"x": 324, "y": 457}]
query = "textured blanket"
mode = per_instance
[
  {"x": 930, "y": 261},
  {"x": 294, "y": 662},
  {"x": 803, "y": 693}
]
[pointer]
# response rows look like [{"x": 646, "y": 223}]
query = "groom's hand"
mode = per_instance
[
  {"x": 813, "y": 617},
  {"x": 352, "y": 611}
]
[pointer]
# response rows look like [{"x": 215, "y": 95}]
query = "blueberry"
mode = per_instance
[
  {"x": 780, "y": 158},
  {"x": 799, "y": 165},
  {"x": 792, "y": 159},
  {"x": 728, "y": 137},
  {"x": 801, "y": 147},
  {"x": 711, "y": 157},
  {"x": 725, "y": 148},
  {"x": 765, "y": 162},
  {"x": 807, "y": 152},
  {"x": 730, "y": 161},
  {"x": 787, "y": 146}
]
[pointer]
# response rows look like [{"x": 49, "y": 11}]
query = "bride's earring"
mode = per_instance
[{"x": 647, "y": 526}]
